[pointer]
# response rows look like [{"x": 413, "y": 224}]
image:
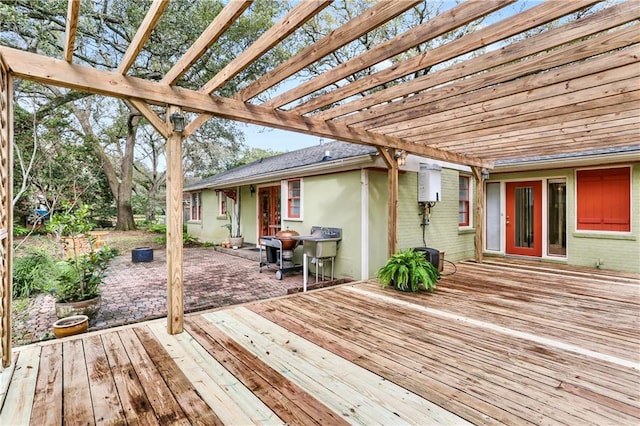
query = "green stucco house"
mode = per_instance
[{"x": 578, "y": 210}]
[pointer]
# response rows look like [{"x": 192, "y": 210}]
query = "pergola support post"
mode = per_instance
[
  {"x": 478, "y": 219},
  {"x": 392, "y": 183},
  {"x": 6, "y": 210},
  {"x": 175, "y": 279}
]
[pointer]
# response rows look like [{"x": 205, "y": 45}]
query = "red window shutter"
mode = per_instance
[{"x": 604, "y": 199}]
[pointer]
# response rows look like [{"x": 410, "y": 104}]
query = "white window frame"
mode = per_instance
[
  {"x": 471, "y": 201},
  {"x": 195, "y": 203},
  {"x": 285, "y": 200}
]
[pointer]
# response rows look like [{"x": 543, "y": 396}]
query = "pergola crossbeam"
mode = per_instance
[
  {"x": 482, "y": 88},
  {"x": 527, "y": 103},
  {"x": 227, "y": 17},
  {"x": 52, "y": 71},
  {"x": 570, "y": 32},
  {"x": 531, "y": 18}
]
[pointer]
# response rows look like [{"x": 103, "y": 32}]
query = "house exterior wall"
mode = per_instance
[
  {"x": 378, "y": 220},
  {"x": 210, "y": 228},
  {"x": 248, "y": 215},
  {"x": 443, "y": 232},
  {"x": 608, "y": 250},
  {"x": 333, "y": 200}
]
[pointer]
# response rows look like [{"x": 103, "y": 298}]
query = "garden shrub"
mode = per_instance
[{"x": 33, "y": 273}]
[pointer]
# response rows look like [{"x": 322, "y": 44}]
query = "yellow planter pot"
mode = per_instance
[{"x": 69, "y": 326}]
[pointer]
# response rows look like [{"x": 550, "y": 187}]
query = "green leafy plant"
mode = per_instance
[
  {"x": 233, "y": 226},
  {"x": 19, "y": 230},
  {"x": 407, "y": 270},
  {"x": 71, "y": 222},
  {"x": 79, "y": 278},
  {"x": 156, "y": 228},
  {"x": 187, "y": 239},
  {"x": 33, "y": 273}
]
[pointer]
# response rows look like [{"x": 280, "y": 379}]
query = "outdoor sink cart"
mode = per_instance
[{"x": 321, "y": 246}]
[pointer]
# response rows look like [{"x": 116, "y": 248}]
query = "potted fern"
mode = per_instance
[{"x": 408, "y": 270}]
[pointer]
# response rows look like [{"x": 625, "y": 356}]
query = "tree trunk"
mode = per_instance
[
  {"x": 121, "y": 187},
  {"x": 125, "y": 221}
]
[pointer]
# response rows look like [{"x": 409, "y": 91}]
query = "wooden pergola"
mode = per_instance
[{"x": 571, "y": 87}]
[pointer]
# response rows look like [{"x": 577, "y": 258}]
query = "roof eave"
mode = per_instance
[
  {"x": 576, "y": 161},
  {"x": 329, "y": 166}
]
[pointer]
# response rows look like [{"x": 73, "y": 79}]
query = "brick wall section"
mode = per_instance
[{"x": 443, "y": 232}]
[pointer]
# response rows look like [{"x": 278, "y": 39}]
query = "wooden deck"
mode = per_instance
[{"x": 498, "y": 343}]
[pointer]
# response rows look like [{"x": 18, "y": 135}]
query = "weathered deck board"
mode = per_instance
[
  {"x": 47, "y": 406},
  {"x": 135, "y": 403},
  {"x": 106, "y": 404},
  {"x": 352, "y": 391},
  {"x": 458, "y": 373},
  {"x": 17, "y": 407},
  {"x": 164, "y": 404},
  {"x": 198, "y": 412},
  {"x": 499, "y": 343},
  {"x": 291, "y": 403},
  {"x": 230, "y": 400}
]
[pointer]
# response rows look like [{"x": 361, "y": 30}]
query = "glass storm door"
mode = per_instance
[
  {"x": 524, "y": 218},
  {"x": 269, "y": 210},
  {"x": 557, "y": 218},
  {"x": 492, "y": 208}
]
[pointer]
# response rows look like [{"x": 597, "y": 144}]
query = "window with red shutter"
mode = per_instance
[{"x": 604, "y": 199}]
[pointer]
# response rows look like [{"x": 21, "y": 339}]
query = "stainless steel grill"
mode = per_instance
[{"x": 275, "y": 255}]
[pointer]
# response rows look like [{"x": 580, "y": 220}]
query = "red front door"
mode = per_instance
[
  {"x": 524, "y": 218},
  {"x": 269, "y": 210}
]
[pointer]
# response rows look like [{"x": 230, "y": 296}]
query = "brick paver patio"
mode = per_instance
[{"x": 134, "y": 292}]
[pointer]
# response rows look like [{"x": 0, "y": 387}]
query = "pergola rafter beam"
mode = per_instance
[
  {"x": 570, "y": 145},
  {"x": 528, "y": 19},
  {"x": 609, "y": 18},
  {"x": 523, "y": 104},
  {"x": 621, "y": 122},
  {"x": 292, "y": 21},
  {"x": 533, "y": 125},
  {"x": 500, "y": 83},
  {"x": 52, "y": 71},
  {"x": 373, "y": 17},
  {"x": 73, "y": 9},
  {"x": 593, "y": 107},
  {"x": 142, "y": 35},
  {"x": 223, "y": 20},
  {"x": 441, "y": 24}
]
